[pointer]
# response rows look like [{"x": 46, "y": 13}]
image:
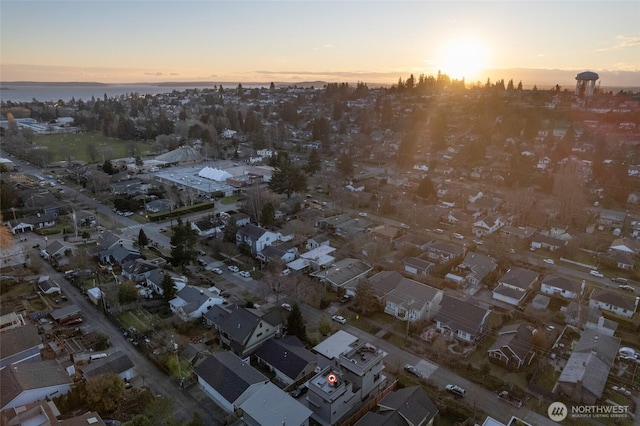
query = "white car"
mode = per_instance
[
  {"x": 458, "y": 236},
  {"x": 456, "y": 390},
  {"x": 287, "y": 307},
  {"x": 245, "y": 274},
  {"x": 596, "y": 274},
  {"x": 338, "y": 318},
  {"x": 217, "y": 271},
  {"x": 549, "y": 261},
  {"x": 233, "y": 268}
]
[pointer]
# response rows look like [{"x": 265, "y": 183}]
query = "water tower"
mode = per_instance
[{"x": 586, "y": 83}]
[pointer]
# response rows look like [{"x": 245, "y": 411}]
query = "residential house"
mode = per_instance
[
  {"x": 561, "y": 286},
  {"x": 139, "y": 270},
  {"x": 614, "y": 302},
  {"x": 475, "y": 267},
  {"x": 585, "y": 374},
  {"x": 487, "y": 225},
  {"x": 192, "y": 302},
  {"x": 118, "y": 363},
  {"x": 58, "y": 249},
  {"x": 317, "y": 241},
  {"x": 522, "y": 232},
  {"x": 240, "y": 219},
  {"x": 27, "y": 382},
  {"x": 193, "y": 353},
  {"x": 541, "y": 241},
  {"x": 350, "y": 371},
  {"x": 255, "y": 237},
  {"x": 622, "y": 260},
  {"x": 442, "y": 252},
  {"x": 46, "y": 413},
  {"x": 462, "y": 320},
  {"x": 330, "y": 223},
  {"x": 40, "y": 221},
  {"x": 13, "y": 256},
  {"x": 410, "y": 240},
  {"x": 513, "y": 347},
  {"x": 271, "y": 406},
  {"x": 628, "y": 246},
  {"x": 315, "y": 259},
  {"x": 281, "y": 252},
  {"x": 353, "y": 227},
  {"x": 48, "y": 285},
  {"x": 20, "y": 342},
  {"x": 406, "y": 406},
  {"x": 287, "y": 358},
  {"x": 385, "y": 233},
  {"x": 241, "y": 329},
  {"x": 610, "y": 219},
  {"x": 9, "y": 319},
  {"x": 405, "y": 299},
  {"x": 208, "y": 226},
  {"x": 514, "y": 285},
  {"x": 155, "y": 277},
  {"x": 417, "y": 266},
  {"x": 228, "y": 380},
  {"x": 346, "y": 273}
]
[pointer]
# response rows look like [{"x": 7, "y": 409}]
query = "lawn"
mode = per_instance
[
  {"x": 75, "y": 144},
  {"x": 142, "y": 321}
]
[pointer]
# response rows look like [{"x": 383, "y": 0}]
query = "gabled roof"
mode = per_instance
[
  {"x": 412, "y": 403},
  {"x": 252, "y": 231},
  {"x": 45, "y": 283},
  {"x": 19, "y": 339},
  {"x": 479, "y": 264},
  {"x": 385, "y": 281},
  {"x": 236, "y": 321},
  {"x": 614, "y": 298},
  {"x": 228, "y": 374},
  {"x": 603, "y": 345},
  {"x": 25, "y": 376},
  {"x": 418, "y": 263},
  {"x": 515, "y": 338},
  {"x": 588, "y": 369},
  {"x": 562, "y": 283},
  {"x": 460, "y": 315},
  {"x": 271, "y": 406},
  {"x": 519, "y": 277},
  {"x": 117, "y": 362},
  {"x": 409, "y": 292},
  {"x": 191, "y": 298},
  {"x": 452, "y": 249},
  {"x": 287, "y": 355}
]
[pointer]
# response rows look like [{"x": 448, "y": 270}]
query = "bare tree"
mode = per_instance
[{"x": 568, "y": 189}]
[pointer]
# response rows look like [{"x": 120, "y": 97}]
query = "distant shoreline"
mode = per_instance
[{"x": 158, "y": 84}]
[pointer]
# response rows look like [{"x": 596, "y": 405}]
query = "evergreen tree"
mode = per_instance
[
  {"x": 345, "y": 165},
  {"x": 168, "y": 288},
  {"x": 313, "y": 162},
  {"x": 268, "y": 215},
  {"x": 287, "y": 178},
  {"x": 426, "y": 189},
  {"x": 296, "y": 324},
  {"x": 143, "y": 240},
  {"x": 183, "y": 242}
]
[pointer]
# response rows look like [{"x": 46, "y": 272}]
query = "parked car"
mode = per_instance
[
  {"x": 458, "y": 236},
  {"x": 596, "y": 274},
  {"x": 340, "y": 319},
  {"x": 299, "y": 391},
  {"x": 456, "y": 390},
  {"x": 413, "y": 370},
  {"x": 548, "y": 261},
  {"x": 245, "y": 274},
  {"x": 233, "y": 268},
  {"x": 621, "y": 390},
  {"x": 287, "y": 307},
  {"x": 217, "y": 271},
  {"x": 619, "y": 280},
  {"x": 506, "y": 396},
  {"x": 626, "y": 287}
]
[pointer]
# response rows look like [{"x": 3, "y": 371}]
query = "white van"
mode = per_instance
[{"x": 97, "y": 356}]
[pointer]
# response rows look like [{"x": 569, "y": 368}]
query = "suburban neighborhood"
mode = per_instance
[{"x": 420, "y": 254}]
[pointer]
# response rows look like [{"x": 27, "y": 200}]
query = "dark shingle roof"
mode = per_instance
[
  {"x": 117, "y": 362},
  {"x": 228, "y": 374},
  {"x": 288, "y": 355}
]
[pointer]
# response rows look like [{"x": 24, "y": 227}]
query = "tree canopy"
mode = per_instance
[
  {"x": 287, "y": 178},
  {"x": 183, "y": 243}
]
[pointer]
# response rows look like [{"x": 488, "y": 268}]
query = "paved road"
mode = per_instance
[{"x": 185, "y": 402}]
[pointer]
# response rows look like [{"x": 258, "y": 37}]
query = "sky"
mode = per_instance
[{"x": 376, "y": 42}]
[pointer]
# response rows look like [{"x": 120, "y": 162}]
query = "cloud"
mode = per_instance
[
  {"x": 623, "y": 42},
  {"x": 326, "y": 46},
  {"x": 157, "y": 73}
]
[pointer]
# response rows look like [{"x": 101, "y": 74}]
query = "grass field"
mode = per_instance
[
  {"x": 75, "y": 144},
  {"x": 139, "y": 319}
]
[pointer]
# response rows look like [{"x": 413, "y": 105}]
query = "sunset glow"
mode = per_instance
[{"x": 463, "y": 58}]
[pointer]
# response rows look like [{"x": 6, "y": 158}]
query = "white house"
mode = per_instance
[
  {"x": 255, "y": 237},
  {"x": 192, "y": 302},
  {"x": 27, "y": 382},
  {"x": 561, "y": 286},
  {"x": 487, "y": 225},
  {"x": 614, "y": 302}
]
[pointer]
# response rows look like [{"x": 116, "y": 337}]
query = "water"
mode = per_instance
[{"x": 50, "y": 92}]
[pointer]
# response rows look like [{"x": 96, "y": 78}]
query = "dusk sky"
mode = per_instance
[{"x": 541, "y": 42}]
